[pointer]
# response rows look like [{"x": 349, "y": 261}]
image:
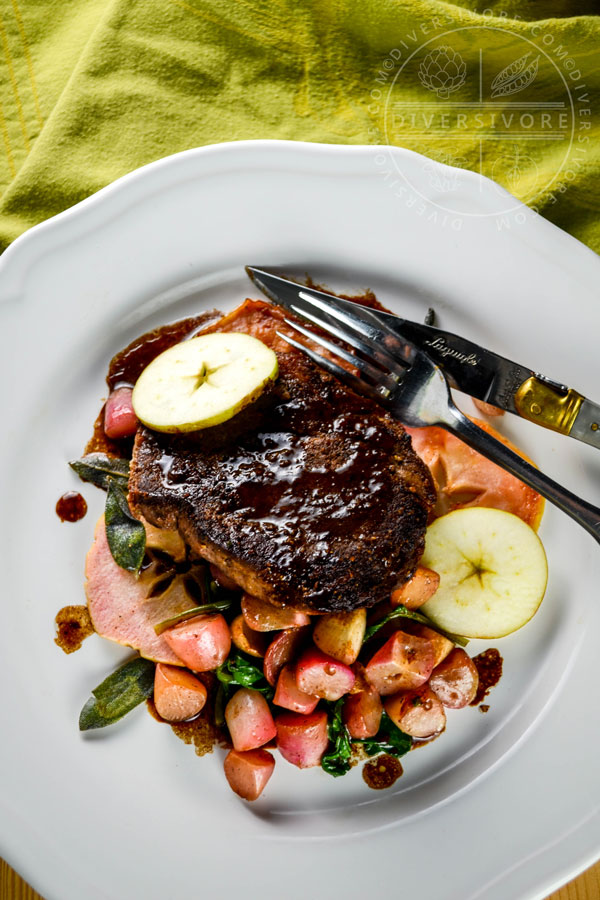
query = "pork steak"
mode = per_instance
[{"x": 313, "y": 497}]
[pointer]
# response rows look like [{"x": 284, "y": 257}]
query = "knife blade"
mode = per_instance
[{"x": 479, "y": 372}]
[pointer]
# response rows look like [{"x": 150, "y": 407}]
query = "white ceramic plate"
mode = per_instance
[{"x": 504, "y": 804}]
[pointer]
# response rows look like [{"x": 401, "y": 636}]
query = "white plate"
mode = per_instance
[{"x": 504, "y": 804}]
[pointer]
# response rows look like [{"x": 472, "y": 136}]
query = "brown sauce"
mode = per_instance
[
  {"x": 73, "y": 625},
  {"x": 382, "y": 772},
  {"x": 489, "y": 667},
  {"x": 71, "y": 507},
  {"x": 127, "y": 366}
]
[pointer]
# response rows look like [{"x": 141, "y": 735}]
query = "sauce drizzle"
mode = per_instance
[{"x": 71, "y": 507}]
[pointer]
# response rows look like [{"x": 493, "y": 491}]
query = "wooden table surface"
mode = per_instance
[{"x": 586, "y": 887}]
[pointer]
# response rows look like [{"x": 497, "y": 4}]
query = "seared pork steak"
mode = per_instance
[{"x": 313, "y": 497}]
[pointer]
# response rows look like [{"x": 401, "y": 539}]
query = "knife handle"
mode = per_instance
[
  {"x": 547, "y": 405},
  {"x": 584, "y": 513}
]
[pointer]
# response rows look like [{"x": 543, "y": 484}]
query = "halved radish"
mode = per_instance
[
  {"x": 417, "y": 590},
  {"x": 341, "y": 634},
  {"x": 418, "y": 713},
  {"x": 178, "y": 695},
  {"x": 120, "y": 608},
  {"x": 322, "y": 675},
  {"x": 202, "y": 643},
  {"x": 442, "y": 645},
  {"x": 251, "y": 642},
  {"x": 302, "y": 740},
  {"x": 282, "y": 650},
  {"x": 455, "y": 680},
  {"x": 362, "y": 713},
  {"x": 249, "y": 720},
  {"x": 120, "y": 421},
  {"x": 248, "y": 771},
  {"x": 261, "y": 616},
  {"x": 404, "y": 662},
  {"x": 289, "y": 696}
]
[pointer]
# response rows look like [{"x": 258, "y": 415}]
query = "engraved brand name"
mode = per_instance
[{"x": 444, "y": 350}]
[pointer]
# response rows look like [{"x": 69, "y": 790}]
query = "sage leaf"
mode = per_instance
[
  {"x": 118, "y": 694},
  {"x": 402, "y": 612},
  {"x": 126, "y": 535},
  {"x": 98, "y": 468}
]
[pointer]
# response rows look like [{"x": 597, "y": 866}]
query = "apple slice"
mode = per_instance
[
  {"x": 203, "y": 381},
  {"x": 493, "y": 572}
]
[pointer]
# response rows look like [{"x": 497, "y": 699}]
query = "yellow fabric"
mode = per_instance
[{"x": 91, "y": 89}]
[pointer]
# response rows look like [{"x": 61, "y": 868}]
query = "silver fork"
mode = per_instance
[{"x": 414, "y": 390}]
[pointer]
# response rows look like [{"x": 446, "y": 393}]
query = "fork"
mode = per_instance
[{"x": 414, "y": 390}]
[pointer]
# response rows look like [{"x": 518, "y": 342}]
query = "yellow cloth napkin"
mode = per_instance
[{"x": 91, "y": 89}]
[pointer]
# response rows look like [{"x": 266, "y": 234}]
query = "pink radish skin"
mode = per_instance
[
  {"x": 322, "y": 675},
  {"x": 455, "y": 680},
  {"x": 417, "y": 590},
  {"x": 201, "y": 643},
  {"x": 249, "y": 720},
  {"x": 177, "y": 694},
  {"x": 405, "y": 662},
  {"x": 223, "y": 578},
  {"x": 362, "y": 714},
  {"x": 120, "y": 421},
  {"x": 282, "y": 650},
  {"x": 248, "y": 772},
  {"x": 302, "y": 740},
  {"x": 261, "y": 616},
  {"x": 289, "y": 696},
  {"x": 442, "y": 646},
  {"x": 418, "y": 713},
  {"x": 251, "y": 642}
]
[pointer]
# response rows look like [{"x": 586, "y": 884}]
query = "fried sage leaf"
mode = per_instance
[
  {"x": 98, "y": 468},
  {"x": 126, "y": 535},
  {"x": 118, "y": 694},
  {"x": 402, "y": 612}
]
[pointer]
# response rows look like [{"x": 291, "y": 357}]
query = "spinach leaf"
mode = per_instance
[
  {"x": 118, "y": 694},
  {"x": 99, "y": 469},
  {"x": 403, "y": 612},
  {"x": 239, "y": 671},
  {"x": 126, "y": 535},
  {"x": 215, "y": 606},
  {"x": 389, "y": 739},
  {"x": 336, "y": 761}
]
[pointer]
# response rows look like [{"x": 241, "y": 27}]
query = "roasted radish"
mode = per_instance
[
  {"x": 418, "y": 713},
  {"x": 178, "y": 695},
  {"x": 289, "y": 696},
  {"x": 249, "y": 720},
  {"x": 251, "y": 642},
  {"x": 455, "y": 680},
  {"x": 302, "y": 740},
  {"x": 282, "y": 650},
  {"x": 202, "y": 643},
  {"x": 248, "y": 771},
  {"x": 120, "y": 421},
  {"x": 362, "y": 713},
  {"x": 341, "y": 634},
  {"x": 417, "y": 590},
  {"x": 261, "y": 616},
  {"x": 322, "y": 675},
  {"x": 404, "y": 662}
]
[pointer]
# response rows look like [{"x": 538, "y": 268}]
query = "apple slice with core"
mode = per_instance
[
  {"x": 493, "y": 572},
  {"x": 203, "y": 381}
]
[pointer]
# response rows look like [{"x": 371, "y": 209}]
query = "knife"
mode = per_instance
[{"x": 478, "y": 372}]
